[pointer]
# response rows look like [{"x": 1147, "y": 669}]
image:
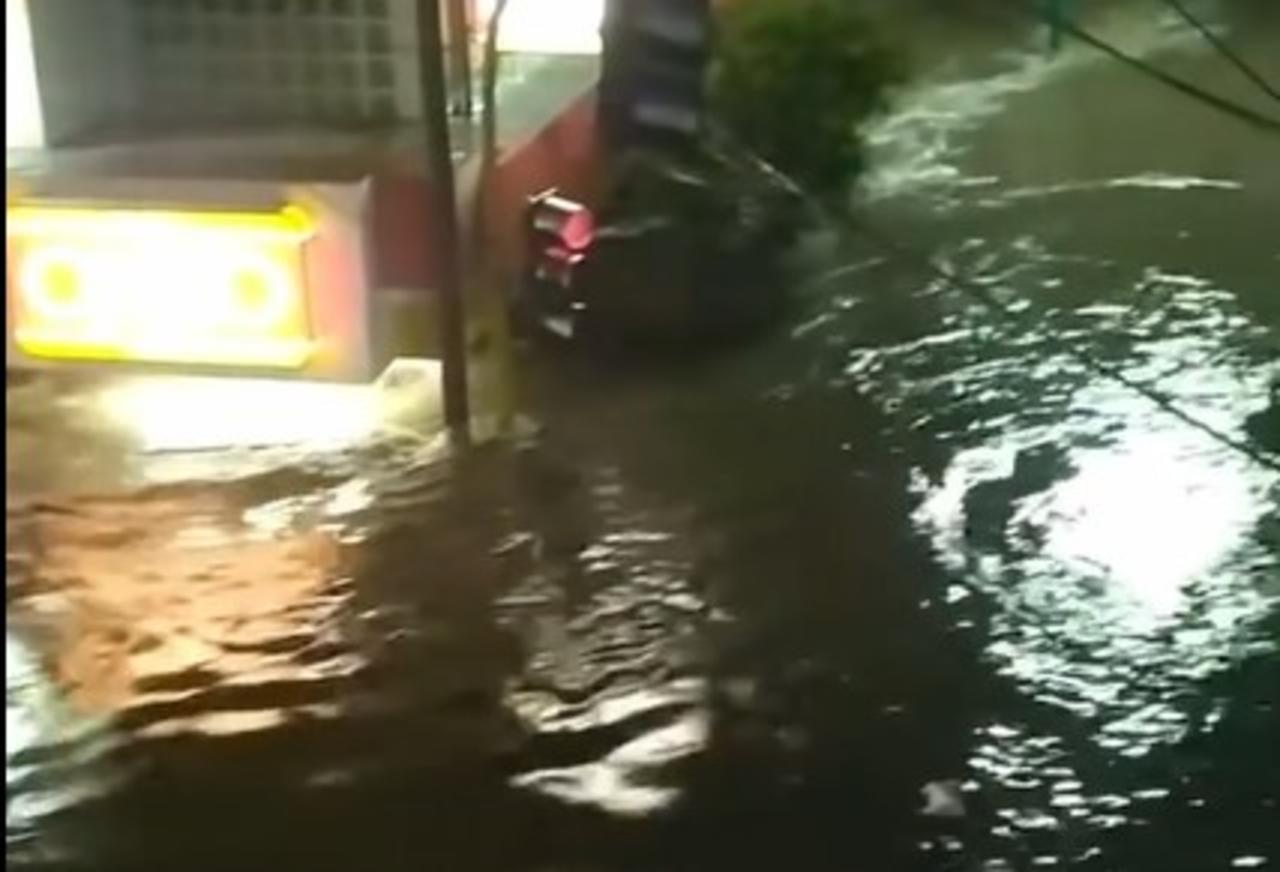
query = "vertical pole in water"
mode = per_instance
[
  {"x": 443, "y": 212},
  {"x": 1055, "y": 13},
  {"x": 460, "y": 56}
]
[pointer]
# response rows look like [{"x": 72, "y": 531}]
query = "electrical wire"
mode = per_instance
[
  {"x": 1223, "y": 49},
  {"x": 1257, "y": 119},
  {"x": 983, "y": 295}
]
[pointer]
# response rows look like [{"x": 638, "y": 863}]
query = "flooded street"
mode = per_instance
[{"x": 910, "y": 584}]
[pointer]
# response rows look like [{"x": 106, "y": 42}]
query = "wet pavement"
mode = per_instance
[{"x": 906, "y": 585}]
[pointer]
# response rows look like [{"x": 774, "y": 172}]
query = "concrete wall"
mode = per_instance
[
  {"x": 259, "y": 62},
  {"x": 198, "y": 64},
  {"x": 23, "y": 123},
  {"x": 86, "y": 64}
]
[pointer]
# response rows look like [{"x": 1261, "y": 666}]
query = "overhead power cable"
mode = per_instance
[
  {"x": 1223, "y": 49},
  {"x": 1250, "y": 116}
]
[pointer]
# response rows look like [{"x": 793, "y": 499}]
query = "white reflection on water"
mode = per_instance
[
  {"x": 21, "y": 711},
  {"x": 1116, "y": 590},
  {"x": 189, "y": 414},
  {"x": 612, "y": 680},
  {"x": 329, "y": 509},
  {"x": 1135, "y": 559},
  {"x": 49, "y": 745},
  {"x": 1151, "y": 514},
  {"x": 916, "y": 149},
  {"x": 626, "y": 781}
]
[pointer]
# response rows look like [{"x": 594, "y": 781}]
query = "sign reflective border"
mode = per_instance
[{"x": 208, "y": 288}]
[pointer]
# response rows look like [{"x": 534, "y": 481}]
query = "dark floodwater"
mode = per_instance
[{"x": 739, "y": 614}]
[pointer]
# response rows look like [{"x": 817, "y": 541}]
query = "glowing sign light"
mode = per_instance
[
  {"x": 184, "y": 287},
  {"x": 540, "y": 27}
]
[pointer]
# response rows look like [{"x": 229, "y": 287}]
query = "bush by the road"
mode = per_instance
[{"x": 795, "y": 78}]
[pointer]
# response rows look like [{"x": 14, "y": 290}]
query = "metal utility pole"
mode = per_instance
[
  {"x": 460, "y": 56},
  {"x": 1055, "y": 13},
  {"x": 443, "y": 206}
]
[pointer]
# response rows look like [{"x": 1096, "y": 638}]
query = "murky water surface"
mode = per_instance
[{"x": 908, "y": 585}]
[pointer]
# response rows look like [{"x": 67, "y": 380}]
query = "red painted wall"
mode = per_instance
[{"x": 563, "y": 155}]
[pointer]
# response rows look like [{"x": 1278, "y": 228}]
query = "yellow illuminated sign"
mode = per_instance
[{"x": 159, "y": 286}]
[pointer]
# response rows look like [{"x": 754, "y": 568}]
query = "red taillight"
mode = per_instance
[{"x": 569, "y": 223}]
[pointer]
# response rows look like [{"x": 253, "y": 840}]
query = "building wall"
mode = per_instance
[
  {"x": 219, "y": 63},
  {"x": 85, "y": 55},
  {"x": 193, "y": 65},
  {"x": 329, "y": 61}
]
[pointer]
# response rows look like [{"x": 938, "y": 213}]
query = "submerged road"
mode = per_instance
[{"x": 903, "y": 586}]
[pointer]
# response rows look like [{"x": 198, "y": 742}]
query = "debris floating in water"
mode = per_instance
[{"x": 942, "y": 799}]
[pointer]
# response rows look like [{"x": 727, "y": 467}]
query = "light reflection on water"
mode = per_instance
[
  {"x": 152, "y": 600},
  {"x": 37, "y": 718},
  {"x": 613, "y": 628},
  {"x": 626, "y": 781},
  {"x": 1113, "y": 545},
  {"x": 285, "y": 604},
  {"x": 1120, "y": 562}
]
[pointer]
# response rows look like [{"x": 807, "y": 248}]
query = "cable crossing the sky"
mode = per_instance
[
  {"x": 1223, "y": 49},
  {"x": 1253, "y": 117}
]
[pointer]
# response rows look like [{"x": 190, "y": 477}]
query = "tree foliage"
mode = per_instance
[{"x": 795, "y": 78}]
